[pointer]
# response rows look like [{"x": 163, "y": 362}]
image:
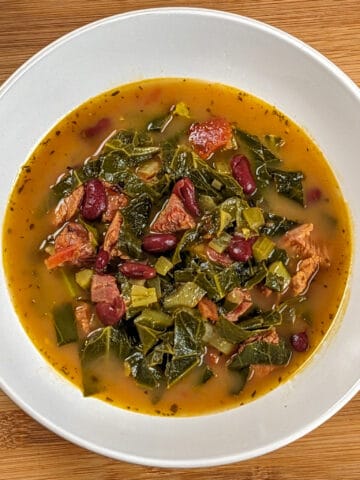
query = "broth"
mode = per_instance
[{"x": 35, "y": 290}]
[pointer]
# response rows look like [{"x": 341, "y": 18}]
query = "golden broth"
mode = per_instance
[{"x": 35, "y": 290}]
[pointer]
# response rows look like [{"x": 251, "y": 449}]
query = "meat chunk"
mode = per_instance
[
  {"x": 104, "y": 289},
  {"x": 208, "y": 309},
  {"x": 312, "y": 256},
  {"x": 115, "y": 201},
  {"x": 83, "y": 319},
  {"x": 243, "y": 300},
  {"x": 223, "y": 259},
  {"x": 113, "y": 232},
  {"x": 173, "y": 217},
  {"x": 209, "y": 136},
  {"x": 299, "y": 241},
  {"x": 73, "y": 245},
  {"x": 68, "y": 206},
  {"x": 306, "y": 270}
]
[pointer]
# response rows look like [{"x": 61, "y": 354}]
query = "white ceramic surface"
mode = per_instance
[{"x": 207, "y": 45}]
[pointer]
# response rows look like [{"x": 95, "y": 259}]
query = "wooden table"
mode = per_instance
[{"x": 27, "y": 450}]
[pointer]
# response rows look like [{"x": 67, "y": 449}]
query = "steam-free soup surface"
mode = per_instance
[{"x": 294, "y": 305}]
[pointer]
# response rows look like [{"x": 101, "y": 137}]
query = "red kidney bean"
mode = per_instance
[
  {"x": 111, "y": 313},
  {"x": 241, "y": 171},
  {"x": 299, "y": 341},
  {"x": 240, "y": 248},
  {"x": 185, "y": 190},
  {"x": 159, "y": 242},
  {"x": 101, "y": 261},
  {"x": 101, "y": 125},
  {"x": 313, "y": 195},
  {"x": 137, "y": 270},
  {"x": 94, "y": 202}
]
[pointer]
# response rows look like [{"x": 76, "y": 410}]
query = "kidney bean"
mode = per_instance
[
  {"x": 299, "y": 341},
  {"x": 159, "y": 242},
  {"x": 241, "y": 171},
  {"x": 137, "y": 270},
  {"x": 100, "y": 126},
  {"x": 94, "y": 202},
  {"x": 240, "y": 248},
  {"x": 111, "y": 313},
  {"x": 101, "y": 261},
  {"x": 185, "y": 190}
]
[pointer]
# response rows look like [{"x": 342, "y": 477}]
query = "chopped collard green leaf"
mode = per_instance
[
  {"x": 289, "y": 184},
  {"x": 65, "y": 326},
  {"x": 276, "y": 225},
  {"x": 188, "y": 346},
  {"x": 261, "y": 352}
]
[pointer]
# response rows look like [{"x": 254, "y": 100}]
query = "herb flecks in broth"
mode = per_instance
[{"x": 184, "y": 247}]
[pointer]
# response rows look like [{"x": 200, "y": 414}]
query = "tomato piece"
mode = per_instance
[
  {"x": 208, "y": 309},
  {"x": 209, "y": 136}
]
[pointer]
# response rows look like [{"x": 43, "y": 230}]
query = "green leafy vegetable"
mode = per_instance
[
  {"x": 276, "y": 225},
  {"x": 189, "y": 237},
  {"x": 188, "y": 345},
  {"x": 231, "y": 332},
  {"x": 289, "y": 184},
  {"x": 260, "y": 352},
  {"x": 205, "y": 374},
  {"x": 134, "y": 146},
  {"x": 137, "y": 214},
  {"x": 101, "y": 344},
  {"x": 143, "y": 372},
  {"x": 64, "y": 324},
  {"x": 187, "y": 295},
  {"x": 238, "y": 378}
]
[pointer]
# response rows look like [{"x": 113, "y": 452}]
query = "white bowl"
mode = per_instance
[{"x": 233, "y": 50}]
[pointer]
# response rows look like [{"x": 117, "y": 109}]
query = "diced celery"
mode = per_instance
[
  {"x": 187, "y": 295},
  {"x": 207, "y": 203},
  {"x": 225, "y": 220},
  {"x": 278, "y": 277},
  {"x": 220, "y": 244},
  {"x": 163, "y": 266},
  {"x": 70, "y": 283},
  {"x": 142, "y": 296},
  {"x": 83, "y": 278},
  {"x": 263, "y": 248},
  {"x": 216, "y": 184},
  {"x": 182, "y": 110},
  {"x": 138, "y": 290},
  {"x": 213, "y": 338},
  {"x": 254, "y": 217}
]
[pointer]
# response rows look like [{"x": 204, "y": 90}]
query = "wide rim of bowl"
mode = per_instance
[{"x": 200, "y": 462}]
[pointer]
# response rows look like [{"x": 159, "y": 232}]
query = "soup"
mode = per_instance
[{"x": 176, "y": 247}]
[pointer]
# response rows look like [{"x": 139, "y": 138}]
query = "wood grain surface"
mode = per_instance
[{"x": 29, "y": 451}]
